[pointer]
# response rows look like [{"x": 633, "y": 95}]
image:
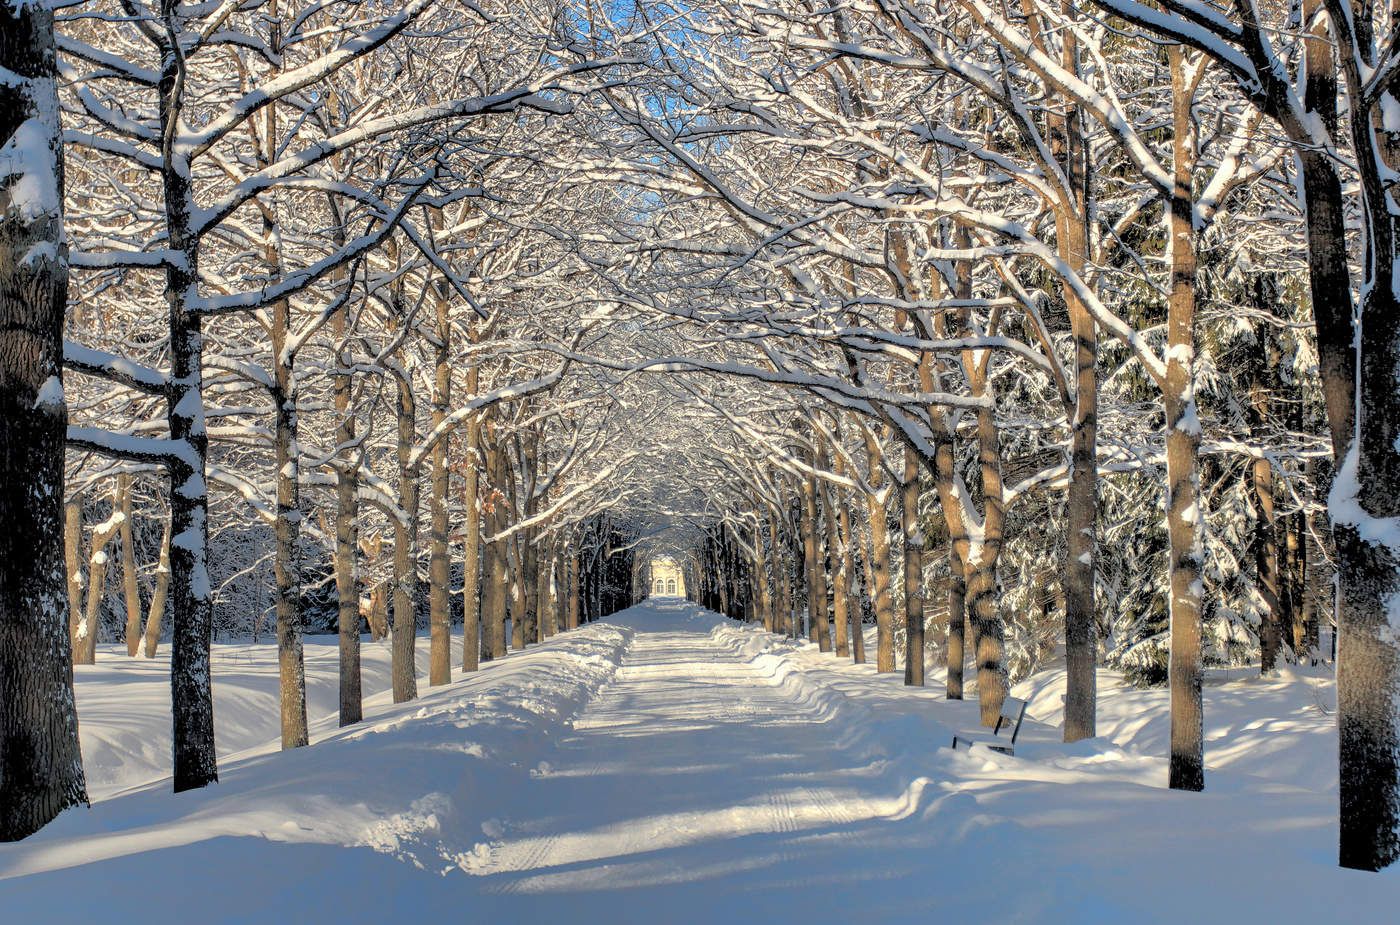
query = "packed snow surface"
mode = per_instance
[{"x": 667, "y": 765}]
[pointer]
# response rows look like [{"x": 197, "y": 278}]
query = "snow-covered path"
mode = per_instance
[
  {"x": 691, "y": 744},
  {"x": 667, "y": 765}
]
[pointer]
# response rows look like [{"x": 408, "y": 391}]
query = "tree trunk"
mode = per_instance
[
  {"x": 73, "y": 567},
  {"x": 913, "y": 573},
  {"x": 957, "y": 621},
  {"x": 1187, "y": 767},
  {"x": 85, "y": 647},
  {"x": 880, "y": 557},
  {"x": 41, "y": 770},
  {"x": 404, "y": 637},
  {"x": 287, "y": 531},
  {"x": 471, "y": 539},
  {"x": 158, "y": 596},
  {"x": 439, "y": 566},
  {"x": 131, "y": 586},
  {"x": 841, "y": 575},
  {"x": 820, "y": 627},
  {"x": 347, "y": 537}
]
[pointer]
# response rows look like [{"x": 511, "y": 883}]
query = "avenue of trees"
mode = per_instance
[{"x": 1027, "y": 333}]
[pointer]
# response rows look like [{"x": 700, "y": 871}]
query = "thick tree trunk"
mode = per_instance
[
  {"x": 1187, "y": 767},
  {"x": 41, "y": 770}
]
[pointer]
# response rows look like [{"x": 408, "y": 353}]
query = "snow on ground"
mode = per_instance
[{"x": 667, "y": 765}]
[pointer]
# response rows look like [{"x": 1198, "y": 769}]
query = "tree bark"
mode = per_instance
[
  {"x": 347, "y": 535},
  {"x": 157, "y": 612},
  {"x": 439, "y": 565},
  {"x": 879, "y": 556},
  {"x": 41, "y": 769},
  {"x": 404, "y": 638},
  {"x": 913, "y": 573},
  {"x": 1187, "y": 767},
  {"x": 471, "y": 538},
  {"x": 131, "y": 586}
]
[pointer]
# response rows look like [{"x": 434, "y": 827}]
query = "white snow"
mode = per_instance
[{"x": 668, "y": 765}]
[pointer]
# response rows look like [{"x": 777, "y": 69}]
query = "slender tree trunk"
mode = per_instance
[
  {"x": 404, "y": 638},
  {"x": 439, "y": 565},
  {"x": 287, "y": 531},
  {"x": 347, "y": 535},
  {"x": 957, "y": 621},
  {"x": 1187, "y": 767},
  {"x": 158, "y": 596},
  {"x": 131, "y": 586},
  {"x": 41, "y": 769},
  {"x": 913, "y": 573},
  {"x": 471, "y": 539},
  {"x": 1081, "y": 502},
  {"x": 816, "y": 571},
  {"x": 498, "y": 586},
  {"x": 880, "y": 557},
  {"x": 96, "y": 587},
  {"x": 73, "y": 567},
  {"x": 573, "y": 588}
]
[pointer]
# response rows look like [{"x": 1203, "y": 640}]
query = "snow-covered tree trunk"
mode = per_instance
[
  {"x": 85, "y": 643},
  {"x": 191, "y": 597},
  {"x": 156, "y": 614},
  {"x": 1186, "y": 768},
  {"x": 1365, "y": 502},
  {"x": 1324, "y": 213},
  {"x": 291, "y": 670},
  {"x": 41, "y": 770},
  {"x": 913, "y": 572}
]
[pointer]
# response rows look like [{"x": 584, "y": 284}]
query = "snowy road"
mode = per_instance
[
  {"x": 667, "y": 765},
  {"x": 690, "y": 746}
]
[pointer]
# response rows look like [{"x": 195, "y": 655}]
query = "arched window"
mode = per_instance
[
  {"x": 671, "y": 586},
  {"x": 660, "y": 585}
]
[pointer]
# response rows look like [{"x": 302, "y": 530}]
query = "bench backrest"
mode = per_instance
[{"x": 1013, "y": 710}]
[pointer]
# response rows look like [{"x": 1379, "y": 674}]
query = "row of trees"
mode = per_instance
[{"x": 1005, "y": 327}]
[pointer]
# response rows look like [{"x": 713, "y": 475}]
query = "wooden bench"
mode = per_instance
[{"x": 1013, "y": 710}]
